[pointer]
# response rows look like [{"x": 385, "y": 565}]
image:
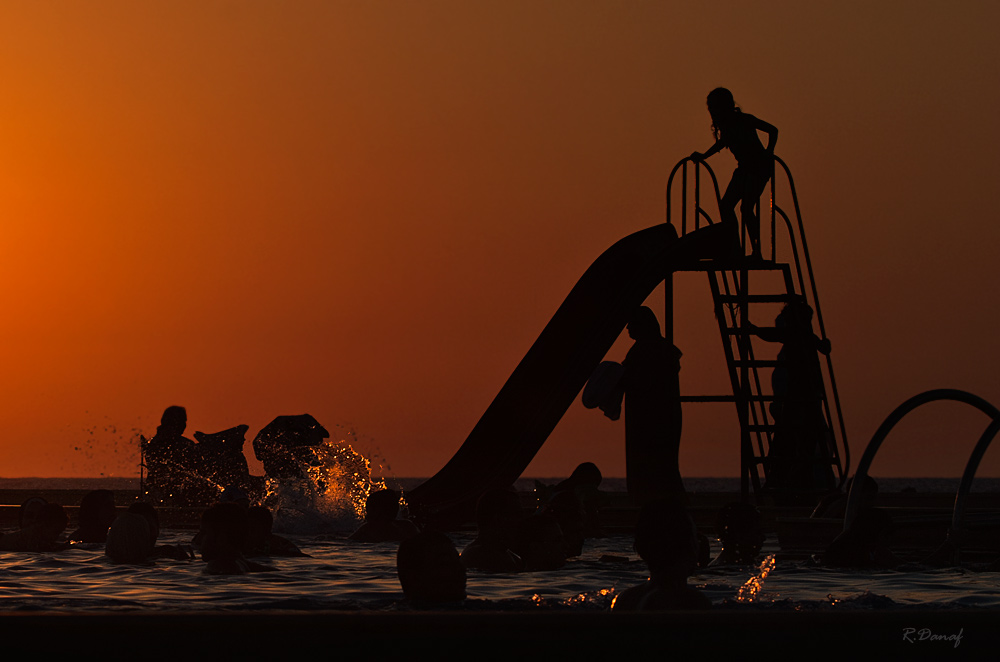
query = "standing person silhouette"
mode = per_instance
[
  {"x": 737, "y": 130},
  {"x": 651, "y": 389}
]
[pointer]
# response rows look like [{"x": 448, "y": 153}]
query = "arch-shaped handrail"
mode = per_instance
[
  {"x": 958, "y": 513},
  {"x": 801, "y": 275}
]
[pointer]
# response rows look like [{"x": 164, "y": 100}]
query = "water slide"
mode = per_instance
[{"x": 557, "y": 366}]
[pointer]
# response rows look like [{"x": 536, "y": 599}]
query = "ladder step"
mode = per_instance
[
  {"x": 724, "y": 398},
  {"x": 758, "y": 298},
  {"x": 732, "y": 265}
]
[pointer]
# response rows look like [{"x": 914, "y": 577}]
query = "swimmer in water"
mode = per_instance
[
  {"x": 430, "y": 571},
  {"x": 666, "y": 539},
  {"x": 497, "y": 514},
  {"x": 381, "y": 523},
  {"x": 97, "y": 512}
]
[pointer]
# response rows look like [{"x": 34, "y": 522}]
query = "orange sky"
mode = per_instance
[{"x": 368, "y": 211}]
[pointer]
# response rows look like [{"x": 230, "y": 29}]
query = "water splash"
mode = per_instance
[
  {"x": 752, "y": 588},
  {"x": 331, "y": 496}
]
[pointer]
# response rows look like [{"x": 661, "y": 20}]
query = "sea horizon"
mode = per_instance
[{"x": 693, "y": 484}]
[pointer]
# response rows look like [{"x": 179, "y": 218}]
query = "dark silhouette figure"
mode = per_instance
[
  {"x": 148, "y": 512},
  {"x": 741, "y": 534},
  {"x": 737, "y": 131},
  {"x": 261, "y": 542},
  {"x": 539, "y": 542},
  {"x": 129, "y": 540},
  {"x": 864, "y": 544},
  {"x": 284, "y": 445},
  {"x": 381, "y": 523},
  {"x": 171, "y": 459},
  {"x": 429, "y": 569},
  {"x": 42, "y": 524},
  {"x": 97, "y": 512},
  {"x": 666, "y": 539},
  {"x": 799, "y": 456},
  {"x": 497, "y": 514},
  {"x": 574, "y": 503},
  {"x": 226, "y": 533},
  {"x": 651, "y": 389},
  {"x": 220, "y": 461},
  {"x": 30, "y": 512}
]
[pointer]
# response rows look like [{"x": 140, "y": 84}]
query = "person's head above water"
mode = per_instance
[
  {"x": 174, "y": 419},
  {"x": 429, "y": 569},
  {"x": 30, "y": 511},
  {"x": 643, "y": 324},
  {"x": 587, "y": 473},
  {"x": 129, "y": 539},
  {"x": 721, "y": 107},
  {"x": 97, "y": 512},
  {"x": 382, "y": 506}
]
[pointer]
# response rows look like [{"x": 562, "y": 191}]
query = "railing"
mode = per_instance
[
  {"x": 803, "y": 270},
  {"x": 949, "y": 553}
]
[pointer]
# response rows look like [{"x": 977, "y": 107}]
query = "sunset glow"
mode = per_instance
[{"x": 369, "y": 211}]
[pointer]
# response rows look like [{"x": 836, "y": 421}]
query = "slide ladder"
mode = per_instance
[{"x": 737, "y": 296}]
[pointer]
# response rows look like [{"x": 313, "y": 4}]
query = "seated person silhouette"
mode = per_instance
[
  {"x": 381, "y": 523},
  {"x": 497, "y": 514},
  {"x": 737, "y": 131},
  {"x": 666, "y": 539},
  {"x": 430, "y": 571},
  {"x": 261, "y": 542},
  {"x": 741, "y": 534},
  {"x": 43, "y": 523},
  {"x": 171, "y": 461},
  {"x": 97, "y": 512}
]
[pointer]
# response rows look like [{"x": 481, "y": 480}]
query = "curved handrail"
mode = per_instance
[
  {"x": 819, "y": 315},
  {"x": 775, "y": 210},
  {"x": 854, "y": 496},
  {"x": 698, "y": 209}
]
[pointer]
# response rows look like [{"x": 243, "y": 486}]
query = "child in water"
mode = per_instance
[{"x": 737, "y": 130}]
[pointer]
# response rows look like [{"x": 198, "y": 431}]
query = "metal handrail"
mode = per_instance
[
  {"x": 958, "y": 512},
  {"x": 801, "y": 275}
]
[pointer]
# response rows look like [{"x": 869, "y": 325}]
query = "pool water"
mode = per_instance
[{"x": 342, "y": 575}]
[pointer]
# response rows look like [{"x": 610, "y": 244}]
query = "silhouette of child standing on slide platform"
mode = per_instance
[{"x": 737, "y": 130}]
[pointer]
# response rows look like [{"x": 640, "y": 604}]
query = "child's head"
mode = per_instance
[
  {"x": 720, "y": 106},
  {"x": 129, "y": 539}
]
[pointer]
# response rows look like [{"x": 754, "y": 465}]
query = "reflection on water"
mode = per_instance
[{"x": 343, "y": 575}]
